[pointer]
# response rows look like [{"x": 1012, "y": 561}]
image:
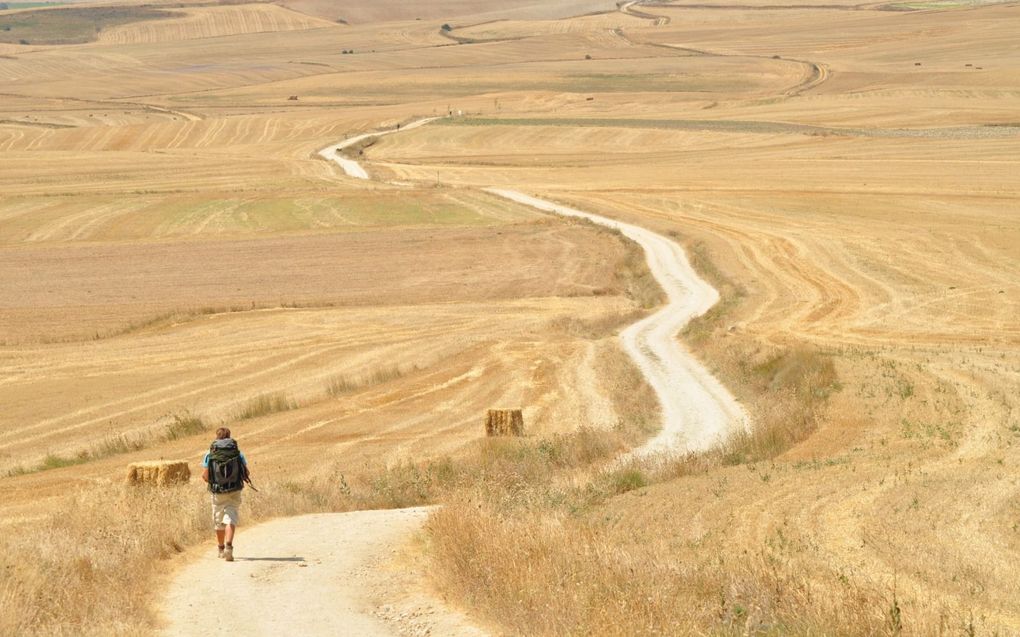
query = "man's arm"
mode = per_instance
[{"x": 205, "y": 474}]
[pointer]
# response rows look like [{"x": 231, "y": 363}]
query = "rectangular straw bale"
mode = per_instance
[
  {"x": 504, "y": 422},
  {"x": 161, "y": 473}
]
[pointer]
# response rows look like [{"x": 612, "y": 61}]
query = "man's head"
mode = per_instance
[{"x": 222, "y": 433}]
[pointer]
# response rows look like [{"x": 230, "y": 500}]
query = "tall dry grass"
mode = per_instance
[
  {"x": 531, "y": 549},
  {"x": 89, "y": 567},
  {"x": 528, "y": 549},
  {"x": 539, "y": 573},
  {"x": 181, "y": 425}
]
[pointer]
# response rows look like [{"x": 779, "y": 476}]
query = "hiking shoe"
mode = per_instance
[
  {"x": 219, "y": 552},
  {"x": 228, "y": 553}
]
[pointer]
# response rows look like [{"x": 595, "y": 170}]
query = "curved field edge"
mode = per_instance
[{"x": 72, "y": 25}]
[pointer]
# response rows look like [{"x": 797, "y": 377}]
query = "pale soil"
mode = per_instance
[{"x": 323, "y": 574}]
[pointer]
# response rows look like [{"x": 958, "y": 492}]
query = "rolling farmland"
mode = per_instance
[{"x": 846, "y": 175}]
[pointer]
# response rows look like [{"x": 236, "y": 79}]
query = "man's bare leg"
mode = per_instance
[{"x": 228, "y": 552}]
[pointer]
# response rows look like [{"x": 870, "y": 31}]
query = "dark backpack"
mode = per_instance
[{"x": 226, "y": 471}]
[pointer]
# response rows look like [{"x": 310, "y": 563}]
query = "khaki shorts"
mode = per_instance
[{"x": 224, "y": 509}]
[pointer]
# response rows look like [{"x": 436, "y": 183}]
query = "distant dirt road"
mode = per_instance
[
  {"x": 310, "y": 575},
  {"x": 352, "y": 167}
]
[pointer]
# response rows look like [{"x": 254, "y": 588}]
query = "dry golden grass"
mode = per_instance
[{"x": 846, "y": 177}]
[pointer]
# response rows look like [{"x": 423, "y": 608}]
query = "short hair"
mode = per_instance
[{"x": 222, "y": 433}]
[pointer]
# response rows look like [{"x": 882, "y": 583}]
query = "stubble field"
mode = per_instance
[{"x": 846, "y": 175}]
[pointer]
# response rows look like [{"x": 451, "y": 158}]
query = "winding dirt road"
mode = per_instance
[
  {"x": 352, "y": 167},
  {"x": 324, "y": 574},
  {"x": 697, "y": 410}
]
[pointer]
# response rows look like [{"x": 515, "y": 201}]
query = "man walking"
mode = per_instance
[{"x": 225, "y": 469}]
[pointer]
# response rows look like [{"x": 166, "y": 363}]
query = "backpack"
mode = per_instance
[{"x": 226, "y": 471}]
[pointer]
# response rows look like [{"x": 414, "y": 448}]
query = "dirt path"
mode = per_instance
[
  {"x": 697, "y": 411},
  {"x": 326, "y": 574},
  {"x": 352, "y": 167},
  {"x": 321, "y": 574}
]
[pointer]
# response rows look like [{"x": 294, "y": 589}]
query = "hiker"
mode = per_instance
[{"x": 225, "y": 469}]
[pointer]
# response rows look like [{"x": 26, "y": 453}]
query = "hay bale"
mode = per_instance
[
  {"x": 160, "y": 474},
  {"x": 504, "y": 422}
]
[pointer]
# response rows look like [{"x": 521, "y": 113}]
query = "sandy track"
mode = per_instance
[
  {"x": 308, "y": 575},
  {"x": 352, "y": 167},
  {"x": 697, "y": 411},
  {"x": 314, "y": 575}
]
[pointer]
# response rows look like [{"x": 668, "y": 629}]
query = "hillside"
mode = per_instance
[{"x": 177, "y": 256}]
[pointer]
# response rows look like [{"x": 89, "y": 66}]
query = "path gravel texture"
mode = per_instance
[{"x": 311, "y": 575}]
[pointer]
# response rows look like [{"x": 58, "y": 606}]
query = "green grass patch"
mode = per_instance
[
  {"x": 933, "y": 5},
  {"x": 286, "y": 214},
  {"x": 736, "y": 126},
  {"x": 5, "y": 6},
  {"x": 71, "y": 25},
  {"x": 55, "y": 461}
]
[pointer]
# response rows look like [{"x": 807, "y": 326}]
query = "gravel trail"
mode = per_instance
[
  {"x": 326, "y": 574},
  {"x": 697, "y": 410}
]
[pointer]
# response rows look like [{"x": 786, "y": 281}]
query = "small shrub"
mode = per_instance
[
  {"x": 265, "y": 404},
  {"x": 54, "y": 461},
  {"x": 341, "y": 385},
  {"x": 628, "y": 479},
  {"x": 185, "y": 424}
]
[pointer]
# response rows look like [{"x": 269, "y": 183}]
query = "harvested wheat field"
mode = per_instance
[{"x": 177, "y": 256}]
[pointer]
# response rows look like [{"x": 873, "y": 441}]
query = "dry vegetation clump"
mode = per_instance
[
  {"x": 534, "y": 553},
  {"x": 265, "y": 404},
  {"x": 102, "y": 541},
  {"x": 540, "y": 573},
  {"x": 530, "y": 551},
  {"x": 358, "y": 148},
  {"x": 79, "y": 573},
  {"x": 342, "y": 384},
  {"x": 633, "y": 277},
  {"x": 181, "y": 425}
]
